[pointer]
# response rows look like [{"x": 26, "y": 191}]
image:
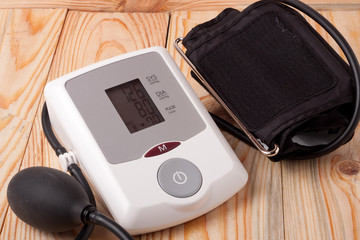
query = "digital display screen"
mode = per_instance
[{"x": 134, "y": 105}]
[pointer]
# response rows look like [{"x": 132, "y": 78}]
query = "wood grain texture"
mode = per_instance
[
  {"x": 347, "y": 22},
  {"x": 37, "y": 153},
  {"x": 159, "y": 5},
  {"x": 323, "y": 195},
  {"x": 261, "y": 199},
  {"x": 91, "y": 37},
  {"x": 315, "y": 199},
  {"x": 86, "y": 38},
  {"x": 320, "y": 201},
  {"x": 82, "y": 5},
  {"x": 28, "y": 40},
  {"x": 214, "y": 5}
]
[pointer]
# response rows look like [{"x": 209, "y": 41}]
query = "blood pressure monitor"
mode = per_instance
[{"x": 144, "y": 140}]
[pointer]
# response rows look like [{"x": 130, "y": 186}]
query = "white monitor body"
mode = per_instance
[{"x": 144, "y": 140}]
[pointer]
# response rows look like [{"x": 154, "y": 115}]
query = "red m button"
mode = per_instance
[{"x": 162, "y": 148}]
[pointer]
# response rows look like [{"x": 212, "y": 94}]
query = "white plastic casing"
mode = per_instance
[{"x": 130, "y": 190}]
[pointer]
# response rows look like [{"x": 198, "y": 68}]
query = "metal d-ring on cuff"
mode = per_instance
[{"x": 259, "y": 146}]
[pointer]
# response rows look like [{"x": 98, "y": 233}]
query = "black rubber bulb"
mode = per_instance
[{"x": 47, "y": 199}]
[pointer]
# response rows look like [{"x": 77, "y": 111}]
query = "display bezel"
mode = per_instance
[{"x": 87, "y": 91}]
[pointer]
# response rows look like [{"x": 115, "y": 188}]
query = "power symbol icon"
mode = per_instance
[{"x": 179, "y": 177}]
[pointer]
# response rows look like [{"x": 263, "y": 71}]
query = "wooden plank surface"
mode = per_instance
[
  {"x": 86, "y": 38},
  {"x": 323, "y": 195},
  {"x": 91, "y": 37},
  {"x": 159, "y": 5},
  {"x": 27, "y": 44},
  {"x": 261, "y": 199},
  {"x": 315, "y": 199}
]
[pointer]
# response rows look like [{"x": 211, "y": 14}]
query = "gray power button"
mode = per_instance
[{"x": 179, "y": 177}]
